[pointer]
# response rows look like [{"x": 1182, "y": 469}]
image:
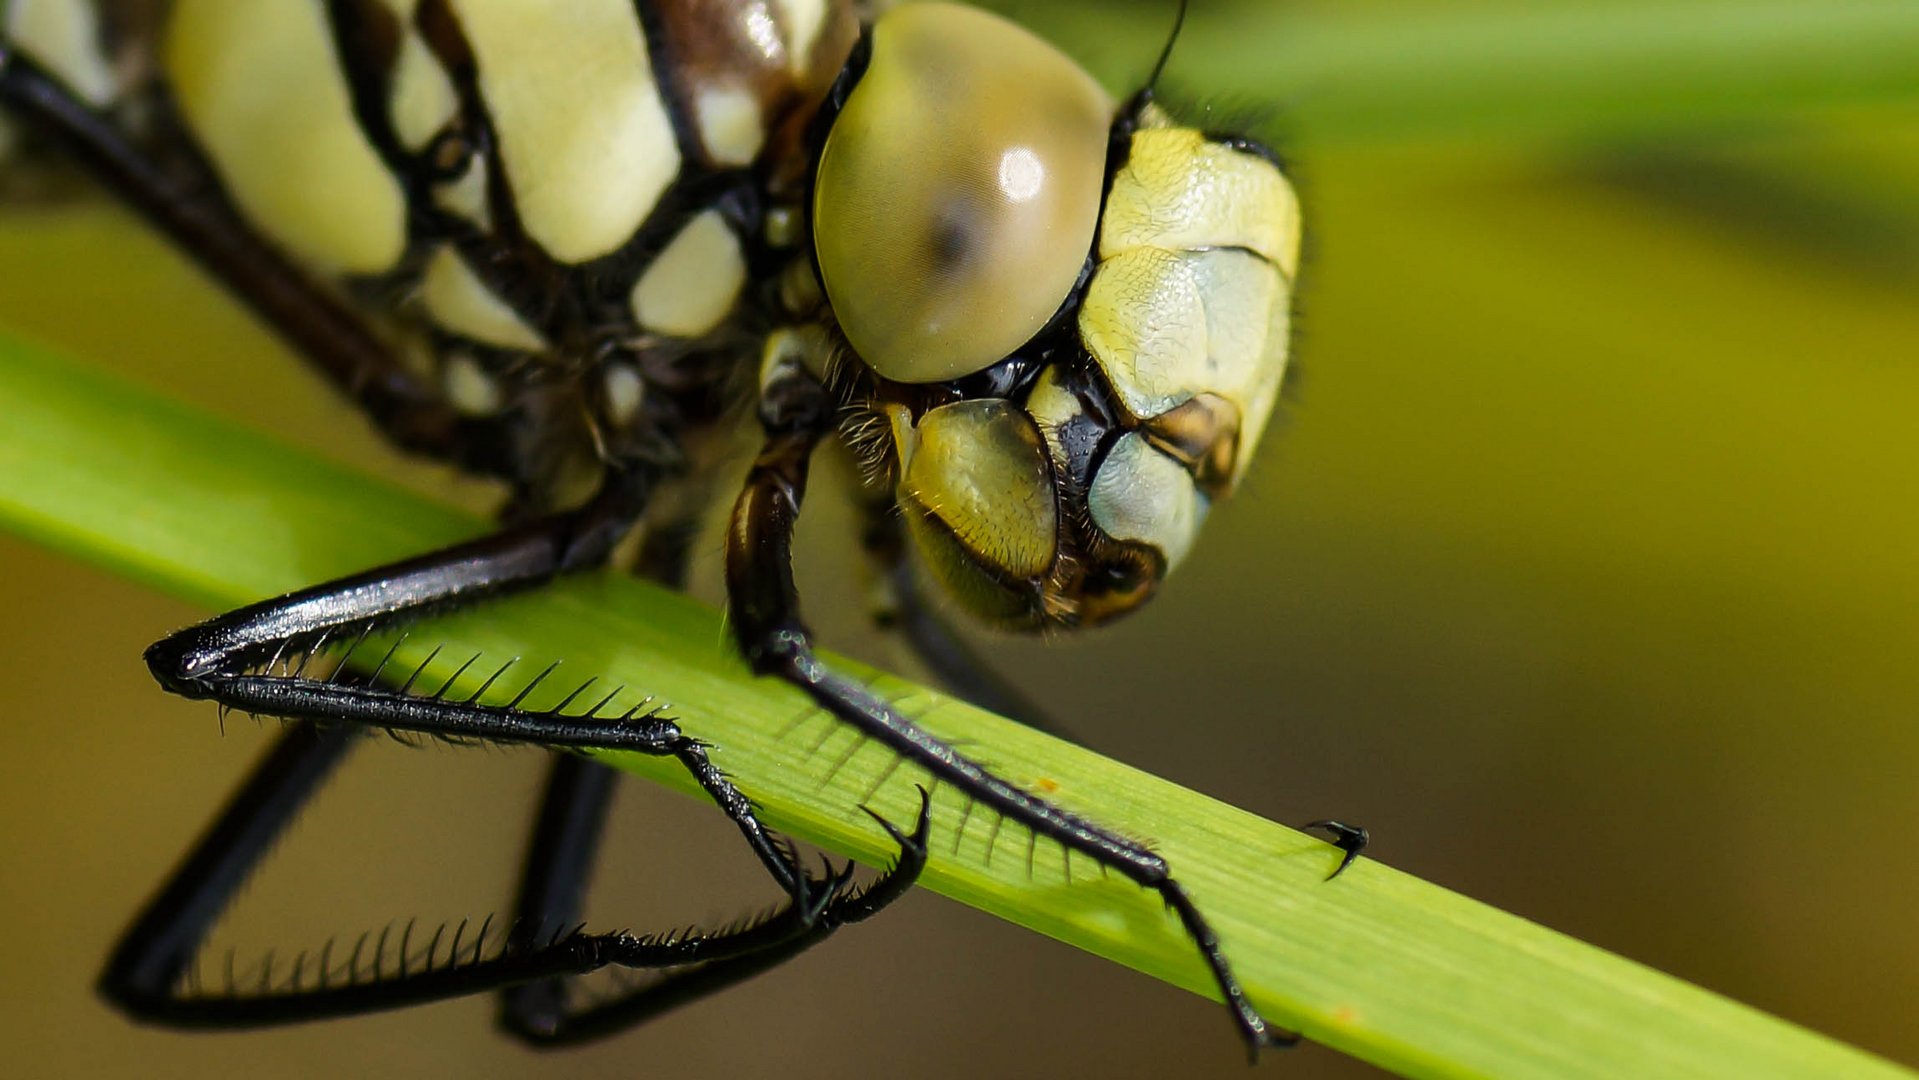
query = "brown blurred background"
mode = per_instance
[{"x": 1581, "y": 570}]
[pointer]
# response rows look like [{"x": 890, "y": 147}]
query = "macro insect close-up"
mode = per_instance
[{"x": 1531, "y": 573}]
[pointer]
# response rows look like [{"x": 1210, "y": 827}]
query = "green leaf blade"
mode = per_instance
[{"x": 1377, "y": 963}]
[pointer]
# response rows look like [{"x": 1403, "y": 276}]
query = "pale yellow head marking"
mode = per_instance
[
  {"x": 1052, "y": 406},
  {"x": 1193, "y": 291},
  {"x": 1170, "y": 324},
  {"x": 260, "y": 85},
  {"x": 694, "y": 282},
  {"x": 1142, "y": 495},
  {"x": 577, "y": 116},
  {"x": 1181, "y": 192}
]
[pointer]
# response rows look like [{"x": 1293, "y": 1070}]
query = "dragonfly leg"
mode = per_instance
[
  {"x": 540, "y": 1013},
  {"x": 231, "y": 660},
  {"x": 763, "y": 604}
]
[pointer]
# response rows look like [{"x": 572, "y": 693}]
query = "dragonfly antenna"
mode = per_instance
[{"x": 1166, "y": 53}]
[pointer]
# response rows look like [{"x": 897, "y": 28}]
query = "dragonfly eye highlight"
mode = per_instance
[{"x": 958, "y": 192}]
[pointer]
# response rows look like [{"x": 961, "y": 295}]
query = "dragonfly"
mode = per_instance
[{"x": 560, "y": 248}]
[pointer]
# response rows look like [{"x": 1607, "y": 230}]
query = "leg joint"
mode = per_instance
[
  {"x": 778, "y": 649},
  {"x": 179, "y": 663}
]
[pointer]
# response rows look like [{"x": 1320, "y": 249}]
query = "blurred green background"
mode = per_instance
[{"x": 1581, "y": 569}]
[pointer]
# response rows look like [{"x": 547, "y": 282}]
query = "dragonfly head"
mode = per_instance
[{"x": 1072, "y": 319}]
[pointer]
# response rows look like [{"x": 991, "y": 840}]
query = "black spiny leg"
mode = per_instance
[
  {"x": 764, "y": 609},
  {"x": 147, "y": 970},
  {"x": 560, "y": 858},
  {"x": 559, "y": 861},
  {"x": 181, "y": 199},
  {"x": 159, "y": 948},
  {"x": 219, "y": 660},
  {"x": 540, "y": 1014},
  {"x": 566, "y": 836},
  {"x": 1350, "y": 839}
]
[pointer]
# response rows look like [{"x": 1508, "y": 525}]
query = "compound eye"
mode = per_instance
[{"x": 958, "y": 192}]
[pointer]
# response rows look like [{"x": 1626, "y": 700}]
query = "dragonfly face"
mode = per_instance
[
  {"x": 554, "y": 244},
  {"x": 1072, "y": 327}
]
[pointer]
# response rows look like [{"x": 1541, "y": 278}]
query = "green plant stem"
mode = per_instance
[{"x": 1377, "y": 963}]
